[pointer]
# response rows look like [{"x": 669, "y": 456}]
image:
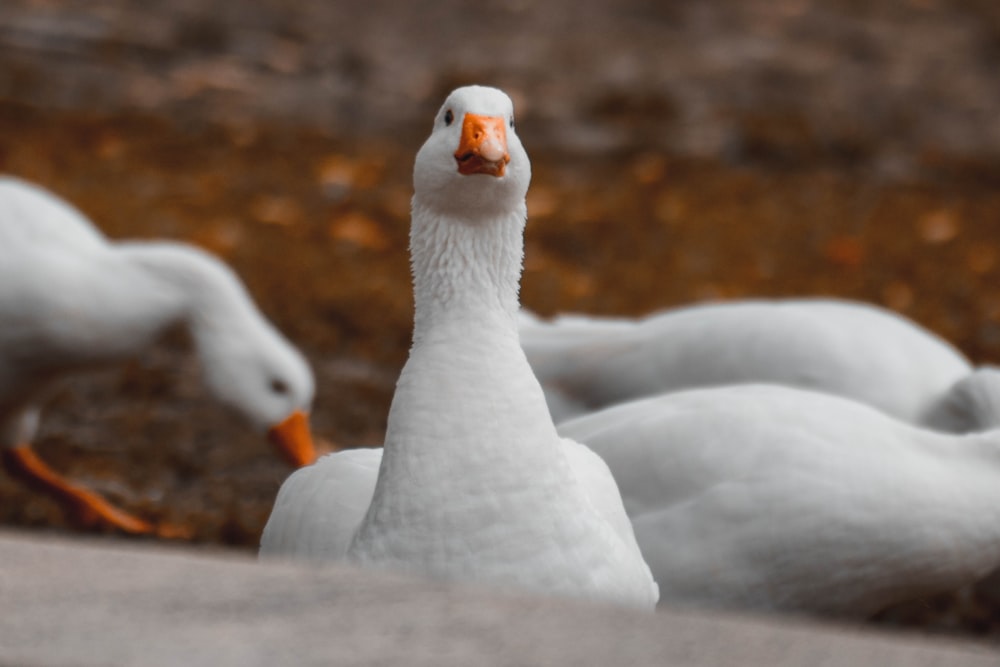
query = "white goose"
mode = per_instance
[
  {"x": 70, "y": 300},
  {"x": 847, "y": 348},
  {"x": 770, "y": 497},
  {"x": 475, "y": 484}
]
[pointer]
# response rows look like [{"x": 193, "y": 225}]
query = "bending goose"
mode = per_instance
[
  {"x": 71, "y": 300},
  {"x": 847, "y": 348},
  {"x": 474, "y": 483},
  {"x": 776, "y": 498}
]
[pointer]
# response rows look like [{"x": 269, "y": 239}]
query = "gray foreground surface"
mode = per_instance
[{"x": 77, "y": 602}]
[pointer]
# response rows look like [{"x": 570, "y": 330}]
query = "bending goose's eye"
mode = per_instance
[
  {"x": 279, "y": 387},
  {"x": 449, "y": 117},
  {"x": 512, "y": 122}
]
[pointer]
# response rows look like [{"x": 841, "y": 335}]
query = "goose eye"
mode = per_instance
[
  {"x": 279, "y": 387},
  {"x": 512, "y": 122},
  {"x": 448, "y": 117}
]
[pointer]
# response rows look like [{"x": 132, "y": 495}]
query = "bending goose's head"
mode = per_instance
[
  {"x": 972, "y": 404},
  {"x": 269, "y": 382},
  {"x": 473, "y": 160},
  {"x": 246, "y": 361}
]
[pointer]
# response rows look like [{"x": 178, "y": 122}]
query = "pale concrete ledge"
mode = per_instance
[{"x": 78, "y": 602}]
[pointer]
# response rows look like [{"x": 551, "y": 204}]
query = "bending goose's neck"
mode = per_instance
[
  {"x": 465, "y": 271},
  {"x": 186, "y": 285}
]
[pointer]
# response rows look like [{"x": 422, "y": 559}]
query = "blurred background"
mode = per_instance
[{"x": 681, "y": 151}]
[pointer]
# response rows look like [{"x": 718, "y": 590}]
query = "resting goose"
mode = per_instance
[
  {"x": 847, "y": 348},
  {"x": 474, "y": 483},
  {"x": 70, "y": 300},
  {"x": 771, "y": 497}
]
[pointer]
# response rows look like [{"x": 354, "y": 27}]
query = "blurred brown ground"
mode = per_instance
[{"x": 681, "y": 152}]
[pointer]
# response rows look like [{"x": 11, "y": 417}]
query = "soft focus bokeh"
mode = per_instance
[{"x": 682, "y": 151}]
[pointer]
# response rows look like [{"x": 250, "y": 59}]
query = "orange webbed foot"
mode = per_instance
[{"x": 88, "y": 507}]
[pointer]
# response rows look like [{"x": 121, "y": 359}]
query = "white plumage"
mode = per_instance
[
  {"x": 769, "y": 497},
  {"x": 71, "y": 300},
  {"x": 846, "y": 348},
  {"x": 475, "y": 484}
]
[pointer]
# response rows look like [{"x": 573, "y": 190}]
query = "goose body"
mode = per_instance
[
  {"x": 71, "y": 300},
  {"x": 473, "y": 483},
  {"x": 842, "y": 347},
  {"x": 775, "y": 498}
]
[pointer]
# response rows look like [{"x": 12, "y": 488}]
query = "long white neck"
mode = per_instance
[
  {"x": 467, "y": 393},
  {"x": 464, "y": 270}
]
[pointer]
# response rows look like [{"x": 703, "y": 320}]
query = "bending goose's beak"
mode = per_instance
[
  {"x": 293, "y": 439},
  {"x": 483, "y": 146}
]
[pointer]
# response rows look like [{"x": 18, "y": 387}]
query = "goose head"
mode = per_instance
[
  {"x": 972, "y": 404},
  {"x": 269, "y": 383},
  {"x": 473, "y": 160}
]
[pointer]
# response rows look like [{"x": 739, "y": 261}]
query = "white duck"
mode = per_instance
[
  {"x": 475, "y": 484},
  {"x": 70, "y": 300},
  {"x": 847, "y": 348},
  {"x": 776, "y": 498}
]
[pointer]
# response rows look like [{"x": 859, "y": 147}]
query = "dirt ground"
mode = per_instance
[{"x": 681, "y": 152}]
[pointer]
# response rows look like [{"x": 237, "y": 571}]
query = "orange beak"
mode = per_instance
[
  {"x": 483, "y": 146},
  {"x": 293, "y": 439}
]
